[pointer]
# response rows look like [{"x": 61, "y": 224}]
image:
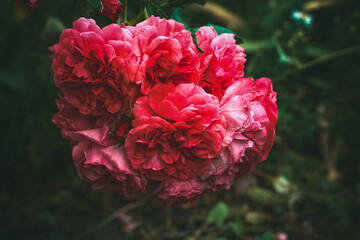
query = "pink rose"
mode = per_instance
[
  {"x": 264, "y": 119},
  {"x": 177, "y": 131},
  {"x": 219, "y": 175},
  {"x": 111, "y": 9},
  {"x": 221, "y": 172},
  {"x": 168, "y": 53},
  {"x": 222, "y": 62},
  {"x": 94, "y": 67},
  {"x": 250, "y": 111},
  {"x": 107, "y": 167},
  {"x": 249, "y": 139},
  {"x": 30, "y": 4},
  {"x": 77, "y": 126},
  {"x": 69, "y": 119},
  {"x": 95, "y": 155}
]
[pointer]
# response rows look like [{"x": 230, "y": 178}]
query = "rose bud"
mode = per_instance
[{"x": 111, "y": 9}]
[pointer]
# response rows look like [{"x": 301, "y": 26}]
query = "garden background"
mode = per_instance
[{"x": 308, "y": 188}]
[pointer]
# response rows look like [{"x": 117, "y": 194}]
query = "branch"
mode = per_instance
[
  {"x": 110, "y": 218},
  {"x": 317, "y": 61}
]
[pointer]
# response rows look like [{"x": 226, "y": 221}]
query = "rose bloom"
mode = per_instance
[
  {"x": 107, "y": 167},
  {"x": 177, "y": 131},
  {"x": 168, "y": 53},
  {"x": 76, "y": 126},
  {"x": 94, "y": 67},
  {"x": 95, "y": 156},
  {"x": 111, "y": 9},
  {"x": 219, "y": 175},
  {"x": 250, "y": 111},
  {"x": 222, "y": 62},
  {"x": 249, "y": 139},
  {"x": 171, "y": 193},
  {"x": 30, "y": 4}
]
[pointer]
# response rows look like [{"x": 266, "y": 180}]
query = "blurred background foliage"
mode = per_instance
[{"x": 308, "y": 188}]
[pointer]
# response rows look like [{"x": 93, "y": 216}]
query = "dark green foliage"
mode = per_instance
[
  {"x": 94, "y": 3},
  {"x": 308, "y": 187}
]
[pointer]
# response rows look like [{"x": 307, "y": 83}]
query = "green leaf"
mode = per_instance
[
  {"x": 218, "y": 238},
  {"x": 221, "y": 30},
  {"x": 256, "y": 46},
  {"x": 150, "y": 10},
  {"x": 237, "y": 228},
  {"x": 259, "y": 194},
  {"x": 294, "y": 197},
  {"x": 281, "y": 185},
  {"x": 218, "y": 214},
  {"x": 265, "y": 236},
  {"x": 54, "y": 25},
  {"x": 176, "y": 16},
  {"x": 94, "y": 3}
]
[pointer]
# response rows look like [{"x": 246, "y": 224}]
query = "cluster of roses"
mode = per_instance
[
  {"x": 109, "y": 8},
  {"x": 148, "y": 110}
]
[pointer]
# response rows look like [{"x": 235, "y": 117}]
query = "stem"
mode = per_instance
[
  {"x": 146, "y": 15},
  {"x": 330, "y": 56},
  {"x": 319, "y": 60},
  {"x": 125, "y": 13},
  {"x": 136, "y": 18},
  {"x": 110, "y": 218},
  {"x": 264, "y": 175}
]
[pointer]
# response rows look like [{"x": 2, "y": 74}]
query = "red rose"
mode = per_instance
[
  {"x": 122, "y": 129},
  {"x": 94, "y": 67},
  {"x": 111, "y": 9},
  {"x": 168, "y": 53},
  {"x": 177, "y": 131},
  {"x": 222, "y": 62},
  {"x": 30, "y": 4}
]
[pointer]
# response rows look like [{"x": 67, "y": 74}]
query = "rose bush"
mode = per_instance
[{"x": 145, "y": 109}]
